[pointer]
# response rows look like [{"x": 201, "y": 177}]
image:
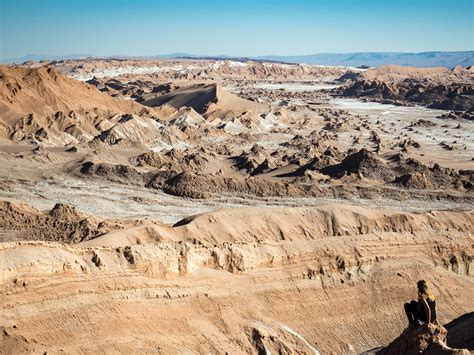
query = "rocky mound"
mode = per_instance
[
  {"x": 402, "y": 171},
  {"x": 175, "y": 161},
  {"x": 427, "y": 339},
  {"x": 255, "y": 162},
  {"x": 413, "y": 174},
  {"x": 150, "y": 158},
  {"x": 112, "y": 172},
  {"x": 458, "y": 115},
  {"x": 193, "y": 185},
  {"x": 62, "y": 223},
  {"x": 414, "y": 181},
  {"x": 186, "y": 118},
  {"x": 363, "y": 164}
]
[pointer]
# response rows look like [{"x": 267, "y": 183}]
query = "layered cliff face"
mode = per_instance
[{"x": 251, "y": 280}]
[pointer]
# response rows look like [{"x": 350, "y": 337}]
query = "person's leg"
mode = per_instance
[
  {"x": 408, "y": 312},
  {"x": 421, "y": 313},
  {"x": 415, "y": 311}
]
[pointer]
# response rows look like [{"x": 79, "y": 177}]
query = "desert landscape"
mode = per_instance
[
  {"x": 249, "y": 177},
  {"x": 224, "y": 206}
]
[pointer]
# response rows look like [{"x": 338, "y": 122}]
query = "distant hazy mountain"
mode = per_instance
[
  {"x": 373, "y": 59},
  {"x": 38, "y": 57}
]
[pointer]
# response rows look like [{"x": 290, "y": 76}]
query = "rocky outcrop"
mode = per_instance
[
  {"x": 406, "y": 172},
  {"x": 112, "y": 172},
  {"x": 427, "y": 339},
  {"x": 362, "y": 163},
  {"x": 432, "y": 87},
  {"x": 461, "y": 332},
  {"x": 202, "y": 186},
  {"x": 62, "y": 223},
  {"x": 456, "y": 97},
  {"x": 13, "y": 343},
  {"x": 255, "y": 162}
]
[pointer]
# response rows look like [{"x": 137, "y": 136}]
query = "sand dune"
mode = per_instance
[{"x": 204, "y": 99}]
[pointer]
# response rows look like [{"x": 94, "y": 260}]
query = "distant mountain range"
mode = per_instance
[
  {"x": 370, "y": 59},
  {"x": 374, "y": 59},
  {"x": 39, "y": 57}
]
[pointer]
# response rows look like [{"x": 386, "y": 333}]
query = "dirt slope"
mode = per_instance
[{"x": 44, "y": 91}]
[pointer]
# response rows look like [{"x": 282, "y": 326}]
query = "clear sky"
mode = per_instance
[{"x": 243, "y": 27}]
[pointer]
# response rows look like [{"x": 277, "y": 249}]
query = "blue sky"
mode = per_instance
[{"x": 245, "y": 27}]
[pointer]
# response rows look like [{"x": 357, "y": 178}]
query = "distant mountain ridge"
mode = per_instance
[
  {"x": 374, "y": 59},
  {"x": 39, "y": 57},
  {"x": 370, "y": 59}
]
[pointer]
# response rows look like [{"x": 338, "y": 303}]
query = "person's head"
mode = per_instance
[{"x": 422, "y": 288}]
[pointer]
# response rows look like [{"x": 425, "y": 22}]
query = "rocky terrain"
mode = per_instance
[
  {"x": 438, "y": 88},
  {"x": 141, "y": 198}
]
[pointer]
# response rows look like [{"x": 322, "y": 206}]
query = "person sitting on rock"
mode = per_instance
[{"x": 425, "y": 309}]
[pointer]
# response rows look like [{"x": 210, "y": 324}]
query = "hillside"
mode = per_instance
[{"x": 43, "y": 104}]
